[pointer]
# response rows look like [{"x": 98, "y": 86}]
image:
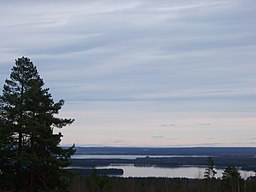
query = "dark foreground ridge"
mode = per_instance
[{"x": 117, "y": 184}]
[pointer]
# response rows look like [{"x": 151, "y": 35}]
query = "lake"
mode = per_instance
[
  {"x": 188, "y": 172},
  {"x": 133, "y": 171}
]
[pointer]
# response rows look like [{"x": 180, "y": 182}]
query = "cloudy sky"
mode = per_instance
[{"x": 141, "y": 72}]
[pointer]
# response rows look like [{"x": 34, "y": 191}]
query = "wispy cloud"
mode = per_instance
[{"x": 143, "y": 57}]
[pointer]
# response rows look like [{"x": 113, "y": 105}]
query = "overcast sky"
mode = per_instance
[{"x": 141, "y": 72}]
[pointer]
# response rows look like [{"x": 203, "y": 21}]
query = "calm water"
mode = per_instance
[
  {"x": 188, "y": 172},
  {"x": 132, "y": 171}
]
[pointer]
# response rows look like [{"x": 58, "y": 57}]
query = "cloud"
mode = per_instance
[
  {"x": 158, "y": 137},
  {"x": 168, "y": 125},
  {"x": 204, "y": 124},
  {"x": 140, "y": 56}
]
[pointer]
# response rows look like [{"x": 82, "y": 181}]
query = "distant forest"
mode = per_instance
[
  {"x": 96, "y": 183},
  {"x": 184, "y": 151}
]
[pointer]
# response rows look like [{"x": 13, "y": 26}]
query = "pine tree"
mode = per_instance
[
  {"x": 31, "y": 156},
  {"x": 210, "y": 171},
  {"x": 232, "y": 180}
]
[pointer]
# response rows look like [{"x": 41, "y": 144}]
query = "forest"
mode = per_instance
[
  {"x": 248, "y": 163},
  {"x": 95, "y": 183}
]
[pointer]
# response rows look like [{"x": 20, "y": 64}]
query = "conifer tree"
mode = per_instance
[
  {"x": 210, "y": 171},
  {"x": 31, "y": 156},
  {"x": 232, "y": 180}
]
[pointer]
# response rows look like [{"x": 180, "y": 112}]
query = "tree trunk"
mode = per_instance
[
  {"x": 32, "y": 168},
  {"x": 32, "y": 178},
  {"x": 18, "y": 166}
]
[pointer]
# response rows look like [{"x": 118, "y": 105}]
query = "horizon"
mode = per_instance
[
  {"x": 154, "y": 147},
  {"x": 141, "y": 73}
]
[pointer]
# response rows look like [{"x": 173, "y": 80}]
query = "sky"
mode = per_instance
[{"x": 144, "y": 73}]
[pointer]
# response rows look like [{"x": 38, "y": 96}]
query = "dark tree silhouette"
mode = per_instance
[
  {"x": 31, "y": 157},
  {"x": 232, "y": 181},
  {"x": 210, "y": 171}
]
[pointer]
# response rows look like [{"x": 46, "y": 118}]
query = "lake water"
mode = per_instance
[
  {"x": 132, "y": 171},
  {"x": 188, "y": 172}
]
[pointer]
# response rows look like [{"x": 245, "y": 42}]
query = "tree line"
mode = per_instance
[{"x": 96, "y": 183}]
